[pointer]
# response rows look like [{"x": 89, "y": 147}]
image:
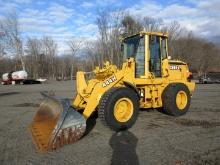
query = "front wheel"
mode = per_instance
[{"x": 118, "y": 108}]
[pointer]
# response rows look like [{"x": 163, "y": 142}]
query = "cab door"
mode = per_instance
[{"x": 155, "y": 56}]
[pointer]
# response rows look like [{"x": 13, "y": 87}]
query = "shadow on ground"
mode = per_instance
[
  {"x": 124, "y": 148},
  {"x": 8, "y": 94},
  {"x": 27, "y": 105},
  {"x": 90, "y": 123}
]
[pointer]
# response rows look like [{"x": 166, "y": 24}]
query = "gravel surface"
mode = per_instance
[{"x": 155, "y": 138}]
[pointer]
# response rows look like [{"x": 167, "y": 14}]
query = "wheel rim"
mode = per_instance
[
  {"x": 123, "y": 110},
  {"x": 181, "y": 100}
]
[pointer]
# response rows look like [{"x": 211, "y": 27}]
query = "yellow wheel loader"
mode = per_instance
[{"x": 148, "y": 78}]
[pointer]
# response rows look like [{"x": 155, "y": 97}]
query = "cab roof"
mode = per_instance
[{"x": 149, "y": 33}]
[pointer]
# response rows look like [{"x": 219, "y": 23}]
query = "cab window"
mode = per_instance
[
  {"x": 155, "y": 55},
  {"x": 134, "y": 47}
]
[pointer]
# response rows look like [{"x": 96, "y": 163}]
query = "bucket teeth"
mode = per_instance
[{"x": 67, "y": 136}]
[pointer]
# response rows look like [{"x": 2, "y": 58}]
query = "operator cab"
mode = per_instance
[{"x": 148, "y": 50}]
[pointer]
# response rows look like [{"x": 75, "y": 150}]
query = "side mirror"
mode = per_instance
[{"x": 169, "y": 57}]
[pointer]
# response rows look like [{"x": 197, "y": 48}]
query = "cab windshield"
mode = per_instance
[{"x": 134, "y": 47}]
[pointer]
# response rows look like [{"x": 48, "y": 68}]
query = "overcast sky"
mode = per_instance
[{"x": 62, "y": 19}]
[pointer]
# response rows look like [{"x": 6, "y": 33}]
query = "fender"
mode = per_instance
[
  {"x": 133, "y": 87},
  {"x": 99, "y": 89}
]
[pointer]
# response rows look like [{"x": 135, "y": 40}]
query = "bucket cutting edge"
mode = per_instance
[{"x": 56, "y": 123}]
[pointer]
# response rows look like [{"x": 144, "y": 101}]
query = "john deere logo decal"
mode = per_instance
[{"x": 109, "y": 81}]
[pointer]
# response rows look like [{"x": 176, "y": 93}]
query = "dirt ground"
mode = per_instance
[{"x": 155, "y": 138}]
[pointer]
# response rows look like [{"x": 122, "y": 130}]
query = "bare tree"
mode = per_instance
[
  {"x": 91, "y": 53},
  {"x": 10, "y": 27},
  {"x": 103, "y": 25},
  {"x": 34, "y": 64},
  {"x": 110, "y": 29},
  {"x": 151, "y": 24},
  {"x": 41, "y": 57},
  {"x": 50, "y": 51},
  {"x": 175, "y": 32},
  {"x": 1, "y": 52},
  {"x": 2, "y": 47},
  {"x": 74, "y": 46}
]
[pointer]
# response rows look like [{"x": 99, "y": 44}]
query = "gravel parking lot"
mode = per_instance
[{"x": 155, "y": 138}]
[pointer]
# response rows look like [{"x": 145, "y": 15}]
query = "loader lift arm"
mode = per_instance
[{"x": 88, "y": 99}]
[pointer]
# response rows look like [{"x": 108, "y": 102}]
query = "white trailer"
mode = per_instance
[{"x": 17, "y": 77}]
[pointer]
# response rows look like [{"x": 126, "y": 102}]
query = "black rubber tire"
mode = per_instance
[
  {"x": 169, "y": 99},
  {"x": 106, "y": 108}
]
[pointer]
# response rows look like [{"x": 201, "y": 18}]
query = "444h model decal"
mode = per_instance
[{"x": 109, "y": 81}]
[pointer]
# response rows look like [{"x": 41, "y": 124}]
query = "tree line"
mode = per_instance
[{"x": 39, "y": 56}]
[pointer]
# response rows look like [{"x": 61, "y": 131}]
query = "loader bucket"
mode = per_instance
[{"x": 55, "y": 124}]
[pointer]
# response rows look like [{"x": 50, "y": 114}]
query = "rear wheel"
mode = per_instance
[
  {"x": 118, "y": 108},
  {"x": 176, "y": 99}
]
